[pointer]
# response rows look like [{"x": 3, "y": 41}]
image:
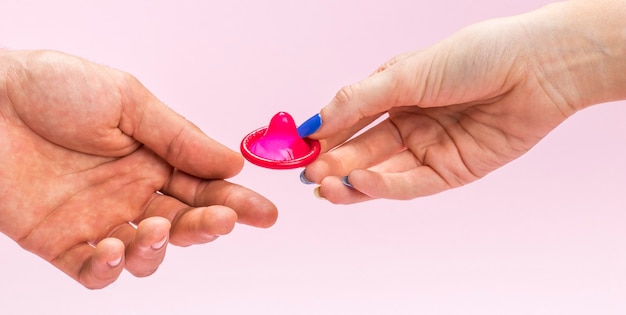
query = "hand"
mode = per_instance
[
  {"x": 98, "y": 175},
  {"x": 469, "y": 104}
]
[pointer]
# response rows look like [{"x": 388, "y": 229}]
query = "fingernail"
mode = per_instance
[
  {"x": 310, "y": 126},
  {"x": 159, "y": 245},
  {"x": 305, "y": 180},
  {"x": 114, "y": 263},
  {"x": 344, "y": 181},
  {"x": 316, "y": 193}
]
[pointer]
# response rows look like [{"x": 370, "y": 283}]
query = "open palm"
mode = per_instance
[{"x": 99, "y": 176}]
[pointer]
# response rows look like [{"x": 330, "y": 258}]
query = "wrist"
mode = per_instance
[
  {"x": 4, "y": 65},
  {"x": 582, "y": 50}
]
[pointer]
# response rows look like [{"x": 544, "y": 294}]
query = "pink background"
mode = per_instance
[{"x": 543, "y": 235}]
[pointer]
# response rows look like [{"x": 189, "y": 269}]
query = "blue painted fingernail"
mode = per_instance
[
  {"x": 305, "y": 180},
  {"x": 345, "y": 182},
  {"x": 310, "y": 126}
]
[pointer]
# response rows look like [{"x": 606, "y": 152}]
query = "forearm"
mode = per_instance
[{"x": 588, "y": 62}]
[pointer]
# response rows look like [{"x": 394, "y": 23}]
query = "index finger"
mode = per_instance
[{"x": 369, "y": 98}]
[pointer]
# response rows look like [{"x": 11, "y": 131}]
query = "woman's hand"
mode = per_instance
[{"x": 469, "y": 104}]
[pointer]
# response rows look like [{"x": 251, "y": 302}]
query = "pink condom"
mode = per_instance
[{"x": 278, "y": 145}]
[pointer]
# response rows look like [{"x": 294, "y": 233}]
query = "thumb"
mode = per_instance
[
  {"x": 468, "y": 66},
  {"x": 173, "y": 138}
]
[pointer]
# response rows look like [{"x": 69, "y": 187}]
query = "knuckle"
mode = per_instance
[
  {"x": 347, "y": 93},
  {"x": 387, "y": 64}
]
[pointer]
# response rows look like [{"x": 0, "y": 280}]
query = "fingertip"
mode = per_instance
[
  {"x": 105, "y": 266},
  {"x": 153, "y": 232},
  {"x": 325, "y": 165},
  {"x": 233, "y": 164},
  {"x": 109, "y": 251},
  {"x": 202, "y": 225},
  {"x": 115, "y": 261},
  {"x": 147, "y": 251},
  {"x": 318, "y": 194},
  {"x": 369, "y": 182},
  {"x": 332, "y": 124},
  {"x": 335, "y": 191},
  {"x": 155, "y": 223},
  {"x": 210, "y": 159},
  {"x": 304, "y": 179},
  {"x": 346, "y": 182},
  {"x": 251, "y": 208},
  {"x": 264, "y": 216},
  {"x": 220, "y": 219}
]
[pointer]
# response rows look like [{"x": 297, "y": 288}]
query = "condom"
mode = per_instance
[{"x": 278, "y": 146}]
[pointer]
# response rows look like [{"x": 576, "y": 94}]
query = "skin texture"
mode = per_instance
[
  {"x": 99, "y": 176},
  {"x": 471, "y": 103}
]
